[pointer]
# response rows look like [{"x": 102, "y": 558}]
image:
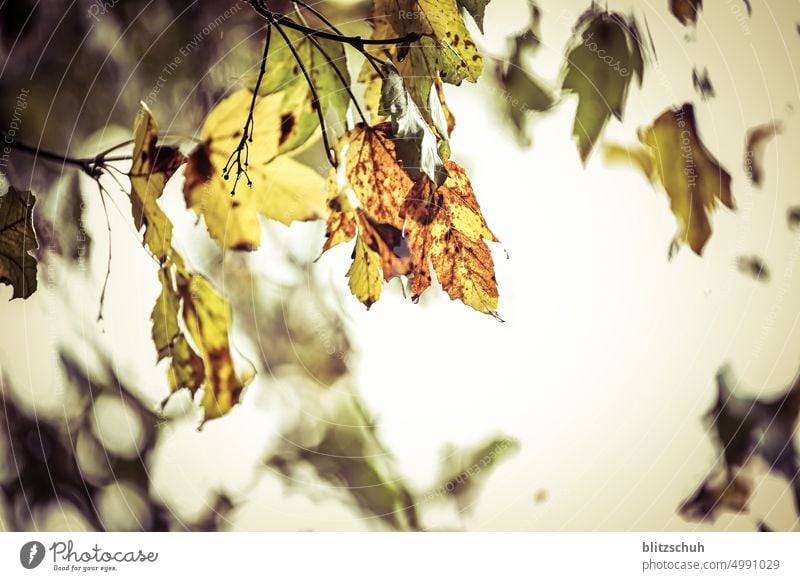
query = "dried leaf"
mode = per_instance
[
  {"x": 282, "y": 189},
  {"x": 17, "y": 240},
  {"x": 605, "y": 53},
  {"x": 152, "y": 166},
  {"x": 446, "y": 231}
]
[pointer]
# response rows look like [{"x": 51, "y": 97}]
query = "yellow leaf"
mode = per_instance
[
  {"x": 165, "y": 315},
  {"x": 441, "y": 19},
  {"x": 376, "y": 175},
  {"x": 208, "y": 317},
  {"x": 691, "y": 176},
  {"x": 365, "y": 273},
  {"x": 152, "y": 166},
  {"x": 282, "y": 189},
  {"x": 446, "y": 230}
]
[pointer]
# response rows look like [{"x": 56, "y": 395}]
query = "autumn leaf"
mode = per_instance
[
  {"x": 282, "y": 189},
  {"x": 191, "y": 324},
  {"x": 686, "y": 10},
  {"x": 423, "y": 63},
  {"x": 440, "y": 19},
  {"x": 17, "y": 240},
  {"x": 755, "y": 146},
  {"x": 151, "y": 167},
  {"x": 603, "y": 56},
  {"x": 446, "y": 231},
  {"x": 365, "y": 280},
  {"x": 674, "y": 155}
]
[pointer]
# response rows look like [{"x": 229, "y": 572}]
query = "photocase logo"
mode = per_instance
[{"x": 31, "y": 554}]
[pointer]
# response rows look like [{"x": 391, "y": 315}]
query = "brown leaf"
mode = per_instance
[{"x": 446, "y": 231}]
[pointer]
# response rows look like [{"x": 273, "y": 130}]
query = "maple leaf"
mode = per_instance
[
  {"x": 151, "y": 167},
  {"x": 674, "y": 155},
  {"x": 282, "y": 189},
  {"x": 446, "y": 231},
  {"x": 17, "y": 240},
  {"x": 604, "y": 55}
]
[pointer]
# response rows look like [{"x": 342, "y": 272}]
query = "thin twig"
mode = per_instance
[
  {"x": 374, "y": 61},
  {"x": 339, "y": 74},
  {"x": 247, "y": 133},
  {"x": 315, "y": 101},
  {"x": 354, "y": 41}
]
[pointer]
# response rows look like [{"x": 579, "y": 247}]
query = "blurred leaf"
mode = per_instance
[
  {"x": 603, "y": 55},
  {"x": 349, "y": 456},
  {"x": 717, "y": 494},
  {"x": 58, "y": 220},
  {"x": 754, "y": 267},
  {"x": 747, "y": 428},
  {"x": 686, "y": 10},
  {"x": 674, "y": 155},
  {"x": 446, "y": 231},
  {"x": 793, "y": 217},
  {"x": 17, "y": 240},
  {"x": 282, "y": 189},
  {"x": 755, "y": 145},
  {"x": 702, "y": 84},
  {"x": 464, "y": 472}
]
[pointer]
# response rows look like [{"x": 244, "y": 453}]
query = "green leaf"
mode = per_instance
[
  {"x": 476, "y": 8},
  {"x": 605, "y": 53},
  {"x": 17, "y": 239},
  {"x": 285, "y": 75}
]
